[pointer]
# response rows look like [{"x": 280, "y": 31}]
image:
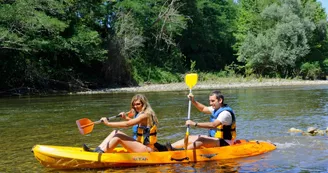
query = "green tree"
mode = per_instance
[
  {"x": 249, "y": 19},
  {"x": 282, "y": 42},
  {"x": 318, "y": 39},
  {"x": 44, "y": 42},
  {"x": 143, "y": 40},
  {"x": 209, "y": 36}
]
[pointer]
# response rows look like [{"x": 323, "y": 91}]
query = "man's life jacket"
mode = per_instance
[{"x": 223, "y": 131}]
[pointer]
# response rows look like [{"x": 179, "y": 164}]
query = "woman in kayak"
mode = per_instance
[
  {"x": 222, "y": 124},
  {"x": 145, "y": 126}
]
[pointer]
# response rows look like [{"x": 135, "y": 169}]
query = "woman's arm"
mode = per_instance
[
  {"x": 128, "y": 123},
  {"x": 127, "y": 115}
]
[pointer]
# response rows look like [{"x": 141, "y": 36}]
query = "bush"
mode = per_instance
[
  {"x": 146, "y": 73},
  {"x": 310, "y": 70},
  {"x": 325, "y": 66}
]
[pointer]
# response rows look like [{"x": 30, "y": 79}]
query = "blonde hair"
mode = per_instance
[{"x": 146, "y": 109}]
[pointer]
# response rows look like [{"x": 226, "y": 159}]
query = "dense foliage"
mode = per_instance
[{"x": 78, "y": 45}]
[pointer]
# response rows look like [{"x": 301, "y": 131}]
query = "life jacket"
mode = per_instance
[
  {"x": 144, "y": 134},
  {"x": 135, "y": 128},
  {"x": 223, "y": 131}
]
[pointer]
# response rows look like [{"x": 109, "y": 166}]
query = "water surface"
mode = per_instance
[{"x": 262, "y": 114}]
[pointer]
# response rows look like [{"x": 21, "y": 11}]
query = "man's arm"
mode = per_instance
[
  {"x": 225, "y": 118},
  {"x": 198, "y": 105},
  {"x": 208, "y": 125}
]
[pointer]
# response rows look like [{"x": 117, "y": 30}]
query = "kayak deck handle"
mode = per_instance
[{"x": 179, "y": 160}]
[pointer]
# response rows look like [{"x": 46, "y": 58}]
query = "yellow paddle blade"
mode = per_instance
[{"x": 191, "y": 79}]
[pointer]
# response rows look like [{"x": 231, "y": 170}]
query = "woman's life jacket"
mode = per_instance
[
  {"x": 223, "y": 131},
  {"x": 144, "y": 134}
]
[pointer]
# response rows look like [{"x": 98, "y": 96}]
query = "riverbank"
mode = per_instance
[{"x": 220, "y": 84}]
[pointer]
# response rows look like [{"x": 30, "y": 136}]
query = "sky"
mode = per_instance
[{"x": 324, "y": 4}]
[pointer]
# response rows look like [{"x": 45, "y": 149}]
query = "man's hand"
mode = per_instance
[
  {"x": 189, "y": 122},
  {"x": 191, "y": 97}
]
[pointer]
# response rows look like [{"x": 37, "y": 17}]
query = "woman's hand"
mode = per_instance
[
  {"x": 123, "y": 115},
  {"x": 104, "y": 120}
]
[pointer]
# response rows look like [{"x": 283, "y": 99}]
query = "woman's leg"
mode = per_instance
[
  {"x": 128, "y": 143},
  {"x": 103, "y": 145},
  {"x": 117, "y": 137}
]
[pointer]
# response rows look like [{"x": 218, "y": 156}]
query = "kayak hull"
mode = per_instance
[{"x": 62, "y": 157}]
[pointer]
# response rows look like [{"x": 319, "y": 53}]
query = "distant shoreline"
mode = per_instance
[{"x": 221, "y": 84}]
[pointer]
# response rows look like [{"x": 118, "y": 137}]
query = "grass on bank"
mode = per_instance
[
  {"x": 149, "y": 74},
  {"x": 158, "y": 76}
]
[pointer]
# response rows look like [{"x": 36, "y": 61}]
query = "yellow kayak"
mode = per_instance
[{"x": 62, "y": 157}]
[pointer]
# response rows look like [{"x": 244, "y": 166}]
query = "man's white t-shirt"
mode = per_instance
[{"x": 224, "y": 117}]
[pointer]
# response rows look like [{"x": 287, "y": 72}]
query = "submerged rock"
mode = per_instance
[
  {"x": 294, "y": 130},
  {"x": 321, "y": 132},
  {"x": 312, "y": 130}
]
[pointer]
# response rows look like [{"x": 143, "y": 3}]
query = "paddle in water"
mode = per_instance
[{"x": 191, "y": 80}]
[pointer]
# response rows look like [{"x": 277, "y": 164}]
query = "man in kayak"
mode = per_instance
[
  {"x": 222, "y": 124},
  {"x": 145, "y": 123}
]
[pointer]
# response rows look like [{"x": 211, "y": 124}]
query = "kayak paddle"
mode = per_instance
[
  {"x": 191, "y": 80},
  {"x": 86, "y": 126}
]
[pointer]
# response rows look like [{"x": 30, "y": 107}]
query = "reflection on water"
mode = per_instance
[{"x": 262, "y": 113}]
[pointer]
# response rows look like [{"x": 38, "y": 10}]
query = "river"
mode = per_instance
[{"x": 262, "y": 114}]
